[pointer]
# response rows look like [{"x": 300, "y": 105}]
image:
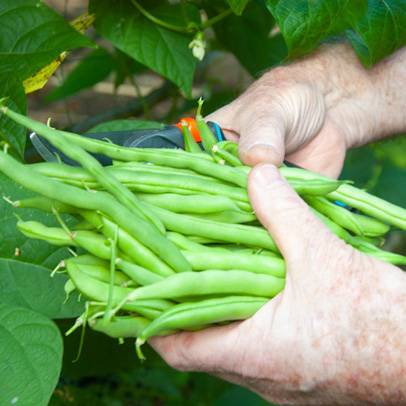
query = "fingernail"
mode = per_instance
[
  {"x": 259, "y": 145},
  {"x": 268, "y": 175}
]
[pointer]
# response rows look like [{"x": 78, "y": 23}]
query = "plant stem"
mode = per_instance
[
  {"x": 147, "y": 14},
  {"x": 215, "y": 19}
]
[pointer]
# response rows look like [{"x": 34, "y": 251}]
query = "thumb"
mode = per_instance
[
  {"x": 262, "y": 139},
  {"x": 287, "y": 217},
  {"x": 259, "y": 132}
]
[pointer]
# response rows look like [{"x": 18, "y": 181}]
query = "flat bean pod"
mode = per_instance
[
  {"x": 210, "y": 282},
  {"x": 138, "y": 274},
  {"x": 210, "y": 311},
  {"x": 263, "y": 264},
  {"x": 121, "y": 326},
  {"x": 236, "y": 233},
  {"x": 196, "y": 203},
  {"x": 227, "y": 216}
]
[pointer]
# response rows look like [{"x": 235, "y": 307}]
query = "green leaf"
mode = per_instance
[
  {"x": 380, "y": 31},
  {"x": 30, "y": 357},
  {"x": 238, "y": 6},
  {"x": 247, "y": 37},
  {"x": 94, "y": 68},
  {"x": 14, "y": 133},
  {"x": 123, "y": 125},
  {"x": 32, "y": 35},
  {"x": 305, "y": 23},
  {"x": 26, "y": 264},
  {"x": 160, "y": 49},
  {"x": 31, "y": 287}
]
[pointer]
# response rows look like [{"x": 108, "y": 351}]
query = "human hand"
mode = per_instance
[
  {"x": 312, "y": 111},
  {"x": 335, "y": 335}
]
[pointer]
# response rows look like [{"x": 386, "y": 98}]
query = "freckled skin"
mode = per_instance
[{"x": 336, "y": 334}]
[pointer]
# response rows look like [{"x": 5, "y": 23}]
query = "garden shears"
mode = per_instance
[{"x": 169, "y": 136}]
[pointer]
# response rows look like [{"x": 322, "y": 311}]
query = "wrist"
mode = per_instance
[
  {"x": 348, "y": 92},
  {"x": 389, "y": 79}
]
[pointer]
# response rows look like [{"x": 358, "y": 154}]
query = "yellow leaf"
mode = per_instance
[{"x": 37, "y": 80}]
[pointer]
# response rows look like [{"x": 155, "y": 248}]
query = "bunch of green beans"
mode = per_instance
[{"x": 170, "y": 238}]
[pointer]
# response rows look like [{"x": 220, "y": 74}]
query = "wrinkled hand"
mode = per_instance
[
  {"x": 335, "y": 335},
  {"x": 311, "y": 111}
]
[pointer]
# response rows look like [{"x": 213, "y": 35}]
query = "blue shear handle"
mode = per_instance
[{"x": 216, "y": 130}]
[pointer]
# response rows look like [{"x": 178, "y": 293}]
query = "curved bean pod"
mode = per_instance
[
  {"x": 185, "y": 315},
  {"x": 338, "y": 214}
]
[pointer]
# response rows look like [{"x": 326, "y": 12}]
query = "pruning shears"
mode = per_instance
[{"x": 169, "y": 136}]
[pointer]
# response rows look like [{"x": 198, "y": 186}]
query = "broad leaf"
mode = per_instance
[
  {"x": 30, "y": 357},
  {"x": 31, "y": 287},
  {"x": 238, "y": 6},
  {"x": 32, "y": 34},
  {"x": 123, "y": 125},
  {"x": 380, "y": 31},
  {"x": 247, "y": 37},
  {"x": 160, "y": 49},
  {"x": 26, "y": 264},
  {"x": 305, "y": 23},
  {"x": 14, "y": 134},
  {"x": 94, "y": 68}
]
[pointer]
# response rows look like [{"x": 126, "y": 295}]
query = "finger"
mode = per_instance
[
  {"x": 211, "y": 349},
  {"x": 262, "y": 139},
  {"x": 292, "y": 225},
  {"x": 224, "y": 117}
]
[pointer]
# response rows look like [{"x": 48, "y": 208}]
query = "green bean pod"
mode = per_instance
[
  {"x": 227, "y": 156},
  {"x": 52, "y": 235},
  {"x": 338, "y": 214},
  {"x": 102, "y": 273},
  {"x": 91, "y": 164},
  {"x": 264, "y": 264},
  {"x": 371, "y": 226},
  {"x": 210, "y": 311},
  {"x": 357, "y": 198},
  {"x": 190, "y": 144},
  {"x": 128, "y": 244},
  {"x": 236, "y": 233},
  {"x": 227, "y": 216},
  {"x": 142, "y": 230},
  {"x": 196, "y": 203},
  {"x": 121, "y": 326},
  {"x": 138, "y": 274},
  {"x": 169, "y": 157},
  {"x": 98, "y": 291},
  {"x": 45, "y": 204},
  {"x": 372, "y": 250},
  {"x": 186, "y": 243},
  {"x": 210, "y": 282}
]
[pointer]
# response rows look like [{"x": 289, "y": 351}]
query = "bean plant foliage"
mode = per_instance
[{"x": 177, "y": 40}]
